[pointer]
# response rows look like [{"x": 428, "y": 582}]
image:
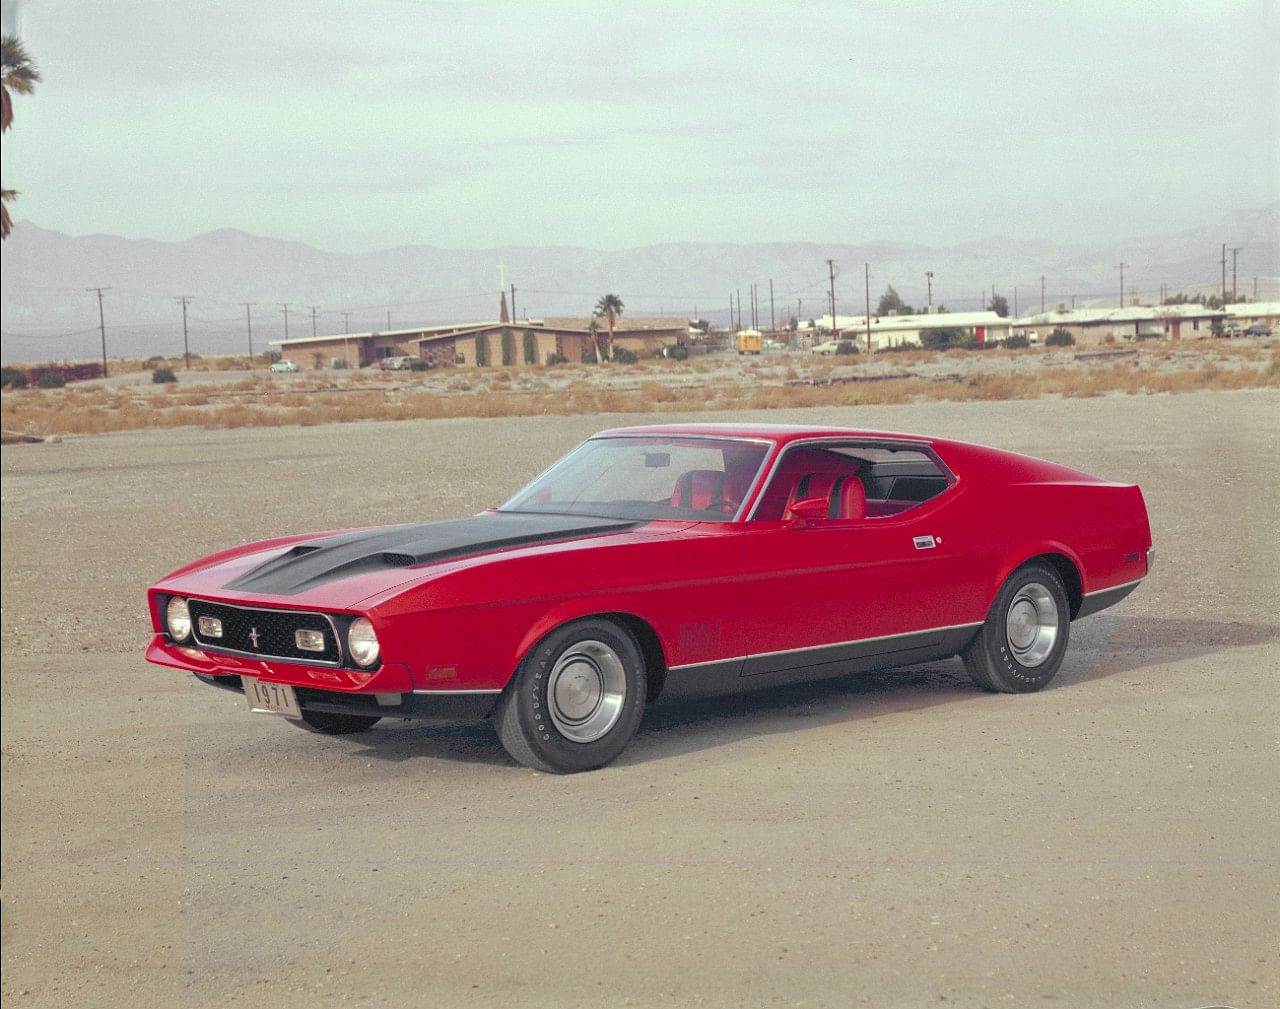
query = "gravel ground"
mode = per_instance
[{"x": 896, "y": 839}]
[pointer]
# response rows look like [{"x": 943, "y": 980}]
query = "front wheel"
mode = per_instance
[
  {"x": 1024, "y": 638},
  {"x": 576, "y": 700}
]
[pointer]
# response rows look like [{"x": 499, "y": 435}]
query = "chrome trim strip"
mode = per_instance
[
  {"x": 1114, "y": 588},
  {"x": 295, "y": 659},
  {"x": 829, "y": 644},
  {"x": 446, "y": 693}
]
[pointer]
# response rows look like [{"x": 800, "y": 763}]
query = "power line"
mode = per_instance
[
  {"x": 102, "y": 326},
  {"x": 186, "y": 346}
]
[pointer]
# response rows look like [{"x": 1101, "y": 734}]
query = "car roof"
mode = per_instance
[{"x": 780, "y": 433}]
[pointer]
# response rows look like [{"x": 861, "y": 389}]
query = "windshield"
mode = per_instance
[{"x": 655, "y": 477}]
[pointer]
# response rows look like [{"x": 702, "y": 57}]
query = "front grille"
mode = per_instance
[{"x": 269, "y": 633}]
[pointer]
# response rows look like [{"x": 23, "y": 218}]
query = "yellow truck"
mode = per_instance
[{"x": 750, "y": 341}]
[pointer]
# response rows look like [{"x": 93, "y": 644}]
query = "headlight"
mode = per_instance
[
  {"x": 362, "y": 643},
  {"x": 178, "y": 618}
]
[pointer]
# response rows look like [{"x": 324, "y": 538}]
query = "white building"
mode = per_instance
[{"x": 894, "y": 330}]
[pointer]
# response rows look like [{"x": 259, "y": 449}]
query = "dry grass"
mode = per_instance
[{"x": 258, "y": 400}]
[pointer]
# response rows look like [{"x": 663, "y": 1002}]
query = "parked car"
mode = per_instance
[
  {"x": 827, "y": 348},
  {"x": 834, "y": 347},
  {"x": 1258, "y": 329},
  {"x": 394, "y": 363},
  {"x": 664, "y": 562},
  {"x": 285, "y": 366}
]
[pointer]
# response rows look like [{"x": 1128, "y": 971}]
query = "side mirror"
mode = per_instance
[{"x": 808, "y": 510}]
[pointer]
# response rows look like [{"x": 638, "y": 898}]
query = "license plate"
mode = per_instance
[{"x": 272, "y": 698}]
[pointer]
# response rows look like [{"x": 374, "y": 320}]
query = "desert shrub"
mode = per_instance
[
  {"x": 942, "y": 338},
  {"x": 624, "y": 356},
  {"x": 899, "y": 348},
  {"x": 482, "y": 350},
  {"x": 530, "y": 340},
  {"x": 508, "y": 348},
  {"x": 419, "y": 365},
  {"x": 1060, "y": 338},
  {"x": 1018, "y": 341},
  {"x": 50, "y": 380},
  {"x": 589, "y": 354},
  {"x": 677, "y": 352},
  {"x": 154, "y": 361},
  {"x": 12, "y": 378},
  {"x": 555, "y": 357},
  {"x": 163, "y": 375},
  {"x": 846, "y": 347},
  {"x": 272, "y": 357}
]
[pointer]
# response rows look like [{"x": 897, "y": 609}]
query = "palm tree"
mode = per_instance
[
  {"x": 610, "y": 307},
  {"x": 18, "y": 74},
  {"x": 593, "y": 327}
]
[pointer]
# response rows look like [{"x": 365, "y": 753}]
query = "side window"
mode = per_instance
[{"x": 867, "y": 480}]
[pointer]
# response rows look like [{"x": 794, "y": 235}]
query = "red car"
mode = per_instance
[{"x": 665, "y": 561}]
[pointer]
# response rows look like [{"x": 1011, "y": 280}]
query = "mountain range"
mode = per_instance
[{"x": 46, "y": 311}]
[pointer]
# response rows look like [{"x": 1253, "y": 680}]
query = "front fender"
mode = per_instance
[{"x": 580, "y": 609}]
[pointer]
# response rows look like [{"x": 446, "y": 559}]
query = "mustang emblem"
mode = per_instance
[{"x": 253, "y": 636}]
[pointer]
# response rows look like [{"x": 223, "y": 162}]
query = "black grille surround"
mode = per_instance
[{"x": 268, "y": 633}]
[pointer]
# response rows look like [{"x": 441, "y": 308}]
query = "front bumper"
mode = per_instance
[{"x": 424, "y": 705}]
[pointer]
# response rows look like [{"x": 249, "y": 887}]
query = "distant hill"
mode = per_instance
[{"x": 45, "y": 312}]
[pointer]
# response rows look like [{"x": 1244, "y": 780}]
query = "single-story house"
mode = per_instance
[
  {"x": 1134, "y": 322},
  {"x": 895, "y": 330},
  {"x": 360, "y": 349}
]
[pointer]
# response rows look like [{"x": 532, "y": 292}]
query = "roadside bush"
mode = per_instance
[
  {"x": 555, "y": 358},
  {"x": 162, "y": 375},
  {"x": 154, "y": 361},
  {"x": 899, "y": 348},
  {"x": 589, "y": 354},
  {"x": 1018, "y": 341},
  {"x": 942, "y": 338},
  {"x": 419, "y": 365},
  {"x": 677, "y": 352},
  {"x": 12, "y": 378},
  {"x": 1060, "y": 338},
  {"x": 51, "y": 380},
  {"x": 846, "y": 347},
  {"x": 624, "y": 356}
]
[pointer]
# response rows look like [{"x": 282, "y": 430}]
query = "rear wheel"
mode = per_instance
[
  {"x": 1024, "y": 638},
  {"x": 576, "y": 700},
  {"x": 328, "y": 723}
]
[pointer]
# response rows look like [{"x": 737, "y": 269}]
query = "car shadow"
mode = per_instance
[{"x": 1101, "y": 646}]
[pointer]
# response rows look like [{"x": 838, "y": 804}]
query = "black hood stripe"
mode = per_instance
[{"x": 307, "y": 565}]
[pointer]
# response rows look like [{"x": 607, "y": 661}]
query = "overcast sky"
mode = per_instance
[{"x": 355, "y": 126}]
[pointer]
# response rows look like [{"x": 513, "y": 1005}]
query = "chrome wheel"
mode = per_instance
[
  {"x": 586, "y": 691},
  {"x": 1031, "y": 624}
]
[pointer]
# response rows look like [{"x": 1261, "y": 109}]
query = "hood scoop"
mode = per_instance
[{"x": 308, "y": 565}]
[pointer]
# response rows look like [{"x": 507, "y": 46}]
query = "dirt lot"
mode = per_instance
[{"x": 897, "y": 839}]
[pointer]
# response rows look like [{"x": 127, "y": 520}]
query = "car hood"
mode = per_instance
[{"x": 340, "y": 569}]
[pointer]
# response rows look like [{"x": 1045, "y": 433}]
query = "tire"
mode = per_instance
[
  {"x": 1024, "y": 638},
  {"x": 329, "y": 723},
  {"x": 576, "y": 699}
]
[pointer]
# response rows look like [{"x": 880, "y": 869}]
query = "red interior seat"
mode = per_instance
[{"x": 699, "y": 489}]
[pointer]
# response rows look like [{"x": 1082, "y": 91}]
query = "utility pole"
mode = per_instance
[
  {"x": 314, "y": 309},
  {"x": 1015, "y": 301},
  {"x": 1255, "y": 288},
  {"x": 285, "y": 309},
  {"x": 1235, "y": 251},
  {"x": 731, "y": 326},
  {"x": 831, "y": 270},
  {"x": 738, "y": 324},
  {"x": 1042, "y": 294},
  {"x": 866, "y": 274},
  {"x": 102, "y": 326},
  {"x": 513, "y": 302},
  {"x": 388, "y": 320},
  {"x": 1122, "y": 266},
  {"x": 186, "y": 347},
  {"x": 346, "y": 322},
  {"x": 928, "y": 279},
  {"x": 248, "y": 325},
  {"x": 1073, "y": 303},
  {"x": 1224, "y": 272},
  {"x": 773, "y": 324}
]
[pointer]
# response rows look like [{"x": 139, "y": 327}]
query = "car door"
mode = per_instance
[{"x": 830, "y": 591}]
